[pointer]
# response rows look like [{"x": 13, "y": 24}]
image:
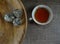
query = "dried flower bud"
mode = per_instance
[
  {"x": 9, "y": 17},
  {"x": 17, "y": 21},
  {"x": 17, "y": 13}
]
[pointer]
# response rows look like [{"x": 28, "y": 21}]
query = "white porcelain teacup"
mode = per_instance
[{"x": 50, "y": 14}]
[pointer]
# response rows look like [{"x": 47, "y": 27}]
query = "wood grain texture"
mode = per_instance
[{"x": 10, "y": 34}]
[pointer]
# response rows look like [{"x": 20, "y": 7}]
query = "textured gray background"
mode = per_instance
[{"x": 48, "y": 34}]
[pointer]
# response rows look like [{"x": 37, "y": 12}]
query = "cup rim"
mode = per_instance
[{"x": 50, "y": 16}]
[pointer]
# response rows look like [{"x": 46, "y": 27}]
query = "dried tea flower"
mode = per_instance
[
  {"x": 17, "y": 21},
  {"x": 17, "y": 13},
  {"x": 9, "y": 17}
]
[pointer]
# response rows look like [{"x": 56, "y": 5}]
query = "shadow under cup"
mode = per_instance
[{"x": 42, "y": 14}]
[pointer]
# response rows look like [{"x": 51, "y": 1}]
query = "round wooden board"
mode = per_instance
[{"x": 10, "y": 34}]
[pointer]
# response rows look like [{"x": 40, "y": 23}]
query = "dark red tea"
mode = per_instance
[{"x": 42, "y": 15}]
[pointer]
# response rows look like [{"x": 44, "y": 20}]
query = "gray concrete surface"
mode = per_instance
[{"x": 48, "y": 34}]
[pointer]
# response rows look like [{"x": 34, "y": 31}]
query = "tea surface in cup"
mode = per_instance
[{"x": 42, "y": 15}]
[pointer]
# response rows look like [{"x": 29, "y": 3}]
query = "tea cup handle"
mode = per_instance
[{"x": 31, "y": 20}]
